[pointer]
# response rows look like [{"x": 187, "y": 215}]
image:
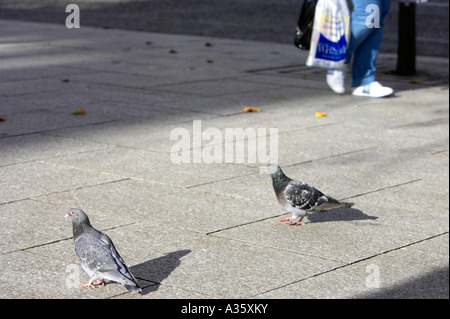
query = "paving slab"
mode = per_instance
[
  {"x": 343, "y": 175},
  {"x": 132, "y": 200},
  {"x": 31, "y": 147},
  {"x": 198, "y": 263},
  {"x": 19, "y": 225},
  {"x": 39, "y": 178},
  {"x": 42, "y": 277},
  {"x": 372, "y": 218},
  {"x": 151, "y": 166},
  {"x": 399, "y": 274}
]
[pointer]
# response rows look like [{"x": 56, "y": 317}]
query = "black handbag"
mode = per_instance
[{"x": 305, "y": 23}]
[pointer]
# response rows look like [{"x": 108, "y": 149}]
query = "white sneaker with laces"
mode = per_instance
[
  {"x": 335, "y": 80},
  {"x": 373, "y": 89}
]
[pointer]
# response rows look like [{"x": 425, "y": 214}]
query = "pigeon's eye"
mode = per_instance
[{"x": 72, "y": 213}]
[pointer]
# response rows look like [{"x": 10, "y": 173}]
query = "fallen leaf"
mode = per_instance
[
  {"x": 320, "y": 114},
  {"x": 250, "y": 109},
  {"x": 209, "y": 61},
  {"x": 79, "y": 111},
  {"x": 172, "y": 51},
  {"x": 414, "y": 82},
  {"x": 207, "y": 44},
  {"x": 3, "y": 118}
]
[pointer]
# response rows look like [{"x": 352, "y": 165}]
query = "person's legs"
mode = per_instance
[
  {"x": 366, "y": 37},
  {"x": 367, "y": 27}
]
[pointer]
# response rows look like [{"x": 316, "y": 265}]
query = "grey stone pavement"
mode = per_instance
[{"x": 198, "y": 230}]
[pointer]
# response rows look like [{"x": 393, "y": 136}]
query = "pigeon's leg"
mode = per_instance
[
  {"x": 285, "y": 219},
  {"x": 99, "y": 282},
  {"x": 88, "y": 285},
  {"x": 91, "y": 284},
  {"x": 298, "y": 223}
]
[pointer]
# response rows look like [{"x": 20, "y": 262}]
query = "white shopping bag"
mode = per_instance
[{"x": 331, "y": 34}]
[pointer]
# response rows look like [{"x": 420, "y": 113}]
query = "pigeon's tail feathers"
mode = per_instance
[
  {"x": 326, "y": 203},
  {"x": 129, "y": 282},
  {"x": 347, "y": 204},
  {"x": 334, "y": 203},
  {"x": 133, "y": 288}
]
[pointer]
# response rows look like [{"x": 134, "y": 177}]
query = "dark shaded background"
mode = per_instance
[{"x": 260, "y": 20}]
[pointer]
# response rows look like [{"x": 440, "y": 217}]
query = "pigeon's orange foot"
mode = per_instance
[
  {"x": 297, "y": 223},
  {"x": 88, "y": 285},
  {"x": 92, "y": 284},
  {"x": 285, "y": 219},
  {"x": 99, "y": 282}
]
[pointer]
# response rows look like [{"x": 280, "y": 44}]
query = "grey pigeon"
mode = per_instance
[
  {"x": 299, "y": 198},
  {"x": 97, "y": 254}
]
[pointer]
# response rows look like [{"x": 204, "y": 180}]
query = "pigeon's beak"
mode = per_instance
[{"x": 66, "y": 216}]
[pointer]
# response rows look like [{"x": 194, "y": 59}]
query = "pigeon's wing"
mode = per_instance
[
  {"x": 115, "y": 266},
  {"x": 97, "y": 254},
  {"x": 302, "y": 196},
  {"x": 91, "y": 252}
]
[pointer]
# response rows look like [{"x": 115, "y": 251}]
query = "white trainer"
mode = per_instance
[
  {"x": 373, "y": 89},
  {"x": 335, "y": 80}
]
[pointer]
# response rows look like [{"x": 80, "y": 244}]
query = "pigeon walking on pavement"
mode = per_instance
[
  {"x": 97, "y": 254},
  {"x": 299, "y": 198}
]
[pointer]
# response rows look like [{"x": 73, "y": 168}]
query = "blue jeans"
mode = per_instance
[{"x": 364, "y": 41}]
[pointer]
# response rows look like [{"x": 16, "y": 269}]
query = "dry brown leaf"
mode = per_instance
[
  {"x": 79, "y": 111},
  {"x": 250, "y": 109}
]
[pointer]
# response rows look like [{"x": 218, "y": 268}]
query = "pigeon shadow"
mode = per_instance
[
  {"x": 151, "y": 273},
  {"x": 340, "y": 214}
]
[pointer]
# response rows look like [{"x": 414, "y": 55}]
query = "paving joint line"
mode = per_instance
[
  {"x": 57, "y": 129},
  {"x": 382, "y": 189},
  {"x": 62, "y": 239},
  {"x": 37, "y": 198},
  {"x": 289, "y": 165},
  {"x": 244, "y": 224}
]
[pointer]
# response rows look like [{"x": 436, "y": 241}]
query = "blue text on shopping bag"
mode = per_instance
[{"x": 329, "y": 50}]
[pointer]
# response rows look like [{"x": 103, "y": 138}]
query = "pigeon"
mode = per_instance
[
  {"x": 299, "y": 198},
  {"x": 97, "y": 255}
]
